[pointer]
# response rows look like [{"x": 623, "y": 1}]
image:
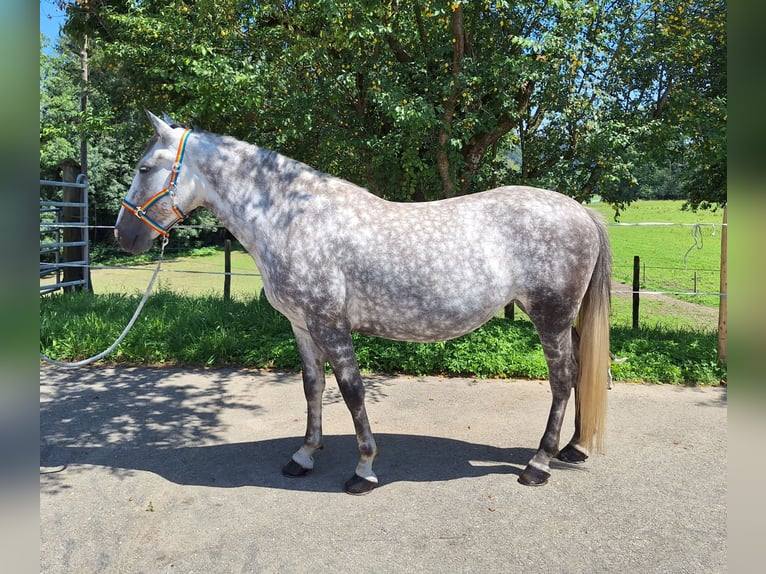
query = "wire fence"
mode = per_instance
[{"x": 659, "y": 295}]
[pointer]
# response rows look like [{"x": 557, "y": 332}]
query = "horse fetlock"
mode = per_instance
[
  {"x": 301, "y": 462},
  {"x": 303, "y": 456},
  {"x": 364, "y": 470}
]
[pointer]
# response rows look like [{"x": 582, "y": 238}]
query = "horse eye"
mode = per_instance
[{"x": 143, "y": 168}]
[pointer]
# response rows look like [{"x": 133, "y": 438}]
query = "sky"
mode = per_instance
[{"x": 51, "y": 19}]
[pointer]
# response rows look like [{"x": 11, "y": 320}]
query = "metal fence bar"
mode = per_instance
[
  {"x": 58, "y": 244},
  {"x": 664, "y": 224},
  {"x": 62, "y": 225},
  {"x": 81, "y": 184},
  {"x": 63, "y": 203},
  {"x": 59, "y": 285},
  {"x": 54, "y": 228},
  {"x": 642, "y": 224}
]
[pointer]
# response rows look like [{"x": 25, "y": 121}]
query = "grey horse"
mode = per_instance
[{"x": 336, "y": 259}]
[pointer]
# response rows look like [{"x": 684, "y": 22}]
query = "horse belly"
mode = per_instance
[
  {"x": 430, "y": 293},
  {"x": 422, "y": 319}
]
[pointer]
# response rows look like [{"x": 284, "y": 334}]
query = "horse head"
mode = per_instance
[{"x": 164, "y": 190}]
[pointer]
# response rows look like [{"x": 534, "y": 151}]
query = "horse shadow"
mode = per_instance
[{"x": 404, "y": 458}]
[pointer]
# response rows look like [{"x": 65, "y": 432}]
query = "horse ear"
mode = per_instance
[
  {"x": 161, "y": 128},
  {"x": 167, "y": 119}
]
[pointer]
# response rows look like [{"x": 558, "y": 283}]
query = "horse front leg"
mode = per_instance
[
  {"x": 352, "y": 389},
  {"x": 562, "y": 369},
  {"x": 337, "y": 343},
  {"x": 313, "y": 361}
]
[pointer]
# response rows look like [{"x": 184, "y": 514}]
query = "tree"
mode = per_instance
[
  {"x": 436, "y": 99},
  {"x": 115, "y": 135},
  {"x": 58, "y": 106},
  {"x": 63, "y": 124},
  {"x": 680, "y": 76}
]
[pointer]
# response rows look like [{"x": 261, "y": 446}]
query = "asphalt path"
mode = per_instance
[{"x": 178, "y": 470}]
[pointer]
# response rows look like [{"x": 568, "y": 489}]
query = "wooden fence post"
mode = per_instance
[
  {"x": 722, "y": 334},
  {"x": 636, "y": 287},
  {"x": 227, "y": 270}
]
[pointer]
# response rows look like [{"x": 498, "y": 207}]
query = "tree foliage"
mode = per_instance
[{"x": 430, "y": 99}]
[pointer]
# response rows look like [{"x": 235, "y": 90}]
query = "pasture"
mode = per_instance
[
  {"x": 200, "y": 274},
  {"x": 670, "y": 256}
]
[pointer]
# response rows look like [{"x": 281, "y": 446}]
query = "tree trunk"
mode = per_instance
[
  {"x": 84, "y": 76},
  {"x": 722, "y": 316},
  {"x": 442, "y": 152},
  {"x": 474, "y": 151}
]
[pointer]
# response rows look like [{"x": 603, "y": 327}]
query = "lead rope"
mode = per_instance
[{"x": 125, "y": 331}]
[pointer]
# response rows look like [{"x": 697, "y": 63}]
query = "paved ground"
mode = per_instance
[{"x": 145, "y": 470}]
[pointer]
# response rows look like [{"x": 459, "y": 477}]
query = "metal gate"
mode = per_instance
[{"x": 53, "y": 243}]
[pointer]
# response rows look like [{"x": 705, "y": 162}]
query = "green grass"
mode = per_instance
[
  {"x": 199, "y": 272},
  {"x": 669, "y": 256},
  {"x": 188, "y": 274}
]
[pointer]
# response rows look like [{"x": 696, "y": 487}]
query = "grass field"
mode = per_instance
[
  {"x": 670, "y": 256},
  {"x": 190, "y": 275}
]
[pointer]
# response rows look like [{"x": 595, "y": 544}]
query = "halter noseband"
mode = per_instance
[{"x": 170, "y": 190}]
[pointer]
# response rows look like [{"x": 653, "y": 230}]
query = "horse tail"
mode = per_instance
[{"x": 593, "y": 327}]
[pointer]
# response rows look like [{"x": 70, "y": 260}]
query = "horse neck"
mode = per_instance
[{"x": 245, "y": 188}]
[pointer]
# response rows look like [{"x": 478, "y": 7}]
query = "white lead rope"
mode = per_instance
[{"x": 103, "y": 354}]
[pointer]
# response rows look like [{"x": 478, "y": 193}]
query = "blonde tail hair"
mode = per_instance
[{"x": 593, "y": 328}]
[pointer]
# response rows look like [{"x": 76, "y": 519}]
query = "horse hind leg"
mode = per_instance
[
  {"x": 574, "y": 452},
  {"x": 562, "y": 368},
  {"x": 313, "y": 361}
]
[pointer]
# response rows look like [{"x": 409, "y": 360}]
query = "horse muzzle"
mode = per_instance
[{"x": 133, "y": 238}]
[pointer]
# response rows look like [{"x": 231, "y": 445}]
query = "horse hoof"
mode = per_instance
[
  {"x": 534, "y": 477},
  {"x": 293, "y": 470},
  {"x": 357, "y": 485},
  {"x": 571, "y": 455}
]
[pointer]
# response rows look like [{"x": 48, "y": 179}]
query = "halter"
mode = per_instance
[{"x": 170, "y": 190}]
